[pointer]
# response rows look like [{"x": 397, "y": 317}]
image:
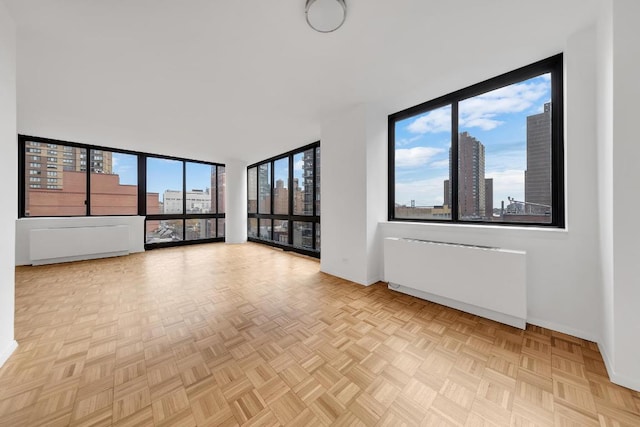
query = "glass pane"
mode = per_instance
[
  {"x": 265, "y": 229},
  {"x": 303, "y": 234},
  {"x": 252, "y": 227},
  {"x": 303, "y": 183},
  {"x": 164, "y": 186},
  {"x": 281, "y": 186},
  {"x": 163, "y": 231},
  {"x": 221, "y": 225},
  {"x": 264, "y": 188},
  {"x": 222, "y": 187},
  {"x": 318, "y": 236},
  {"x": 422, "y": 149},
  {"x": 504, "y": 153},
  {"x": 200, "y": 228},
  {"x": 252, "y": 190},
  {"x": 56, "y": 180},
  {"x": 114, "y": 183},
  {"x": 201, "y": 183},
  {"x": 318, "y": 181},
  {"x": 281, "y": 231}
]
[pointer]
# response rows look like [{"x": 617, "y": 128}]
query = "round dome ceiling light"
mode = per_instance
[{"x": 325, "y": 16}]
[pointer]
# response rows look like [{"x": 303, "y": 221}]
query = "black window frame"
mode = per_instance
[
  {"x": 552, "y": 65},
  {"x": 142, "y": 189},
  {"x": 314, "y": 218}
]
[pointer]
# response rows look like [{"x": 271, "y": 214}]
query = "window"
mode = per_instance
[
  {"x": 252, "y": 190},
  {"x": 281, "y": 186},
  {"x": 185, "y": 201},
  {"x": 69, "y": 189},
  {"x": 490, "y": 153},
  {"x": 114, "y": 186},
  {"x": 125, "y": 183},
  {"x": 283, "y": 201}
]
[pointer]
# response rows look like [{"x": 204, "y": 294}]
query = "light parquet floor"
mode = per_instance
[{"x": 246, "y": 335}]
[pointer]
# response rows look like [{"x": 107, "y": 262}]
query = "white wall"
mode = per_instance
[
  {"x": 619, "y": 88},
  {"x": 560, "y": 263},
  {"x": 354, "y": 192},
  {"x": 236, "y": 202},
  {"x": 9, "y": 177},
  {"x": 605, "y": 175},
  {"x": 344, "y": 202},
  {"x": 23, "y": 226}
]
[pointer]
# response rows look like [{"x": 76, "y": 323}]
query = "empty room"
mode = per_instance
[{"x": 319, "y": 212}]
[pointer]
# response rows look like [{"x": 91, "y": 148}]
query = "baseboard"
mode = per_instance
[
  {"x": 468, "y": 308},
  {"x": 563, "y": 328},
  {"x": 8, "y": 351},
  {"x": 342, "y": 276},
  {"x": 615, "y": 378},
  {"x": 78, "y": 258}
]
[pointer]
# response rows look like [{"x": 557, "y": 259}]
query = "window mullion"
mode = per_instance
[
  {"x": 454, "y": 162},
  {"x": 88, "y": 178}
]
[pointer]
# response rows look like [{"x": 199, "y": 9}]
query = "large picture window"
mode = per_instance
[
  {"x": 283, "y": 203},
  {"x": 80, "y": 180},
  {"x": 490, "y": 153}
]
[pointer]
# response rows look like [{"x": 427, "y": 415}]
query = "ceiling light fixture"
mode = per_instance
[{"x": 325, "y": 16}]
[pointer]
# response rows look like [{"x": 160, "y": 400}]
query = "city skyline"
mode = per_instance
[{"x": 497, "y": 118}]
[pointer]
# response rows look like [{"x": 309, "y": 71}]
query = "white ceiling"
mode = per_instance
[{"x": 248, "y": 79}]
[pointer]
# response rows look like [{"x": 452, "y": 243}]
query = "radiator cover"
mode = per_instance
[
  {"x": 53, "y": 245},
  {"x": 489, "y": 282}
]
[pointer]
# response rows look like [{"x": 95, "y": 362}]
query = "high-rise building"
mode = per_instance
[
  {"x": 264, "y": 188},
  {"x": 488, "y": 197},
  {"x": 46, "y": 162},
  {"x": 280, "y": 198},
  {"x": 537, "y": 179},
  {"x": 471, "y": 182},
  {"x": 308, "y": 171}
]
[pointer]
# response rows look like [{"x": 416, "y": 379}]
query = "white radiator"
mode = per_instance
[
  {"x": 53, "y": 245},
  {"x": 488, "y": 282}
]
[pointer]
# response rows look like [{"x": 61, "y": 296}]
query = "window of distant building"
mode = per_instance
[
  {"x": 491, "y": 153},
  {"x": 86, "y": 180},
  {"x": 283, "y": 204}
]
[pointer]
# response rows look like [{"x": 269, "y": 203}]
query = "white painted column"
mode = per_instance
[
  {"x": 236, "y": 201},
  {"x": 619, "y": 91}
]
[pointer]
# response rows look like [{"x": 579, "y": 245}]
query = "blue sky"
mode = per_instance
[
  {"x": 162, "y": 174},
  {"x": 498, "y": 119},
  {"x": 281, "y": 169}
]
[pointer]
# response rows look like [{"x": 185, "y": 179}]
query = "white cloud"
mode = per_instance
[
  {"x": 440, "y": 164},
  {"x": 483, "y": 111},
  {"x": 433, "y": 122},
  {"x": 414, "y": 157},
  {"x": 507, "y": 183},
  {"x": 406, "y": 141},
  {"x": 427, "y": 192},
  {"x": 297, "y": 166}
]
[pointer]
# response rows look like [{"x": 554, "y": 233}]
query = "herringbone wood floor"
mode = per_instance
[{"x": 243, "y": 334}]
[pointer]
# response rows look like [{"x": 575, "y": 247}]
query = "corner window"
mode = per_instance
[
  {"x": 182, "y": 200},
  {"x": 490, "y": 153}
]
